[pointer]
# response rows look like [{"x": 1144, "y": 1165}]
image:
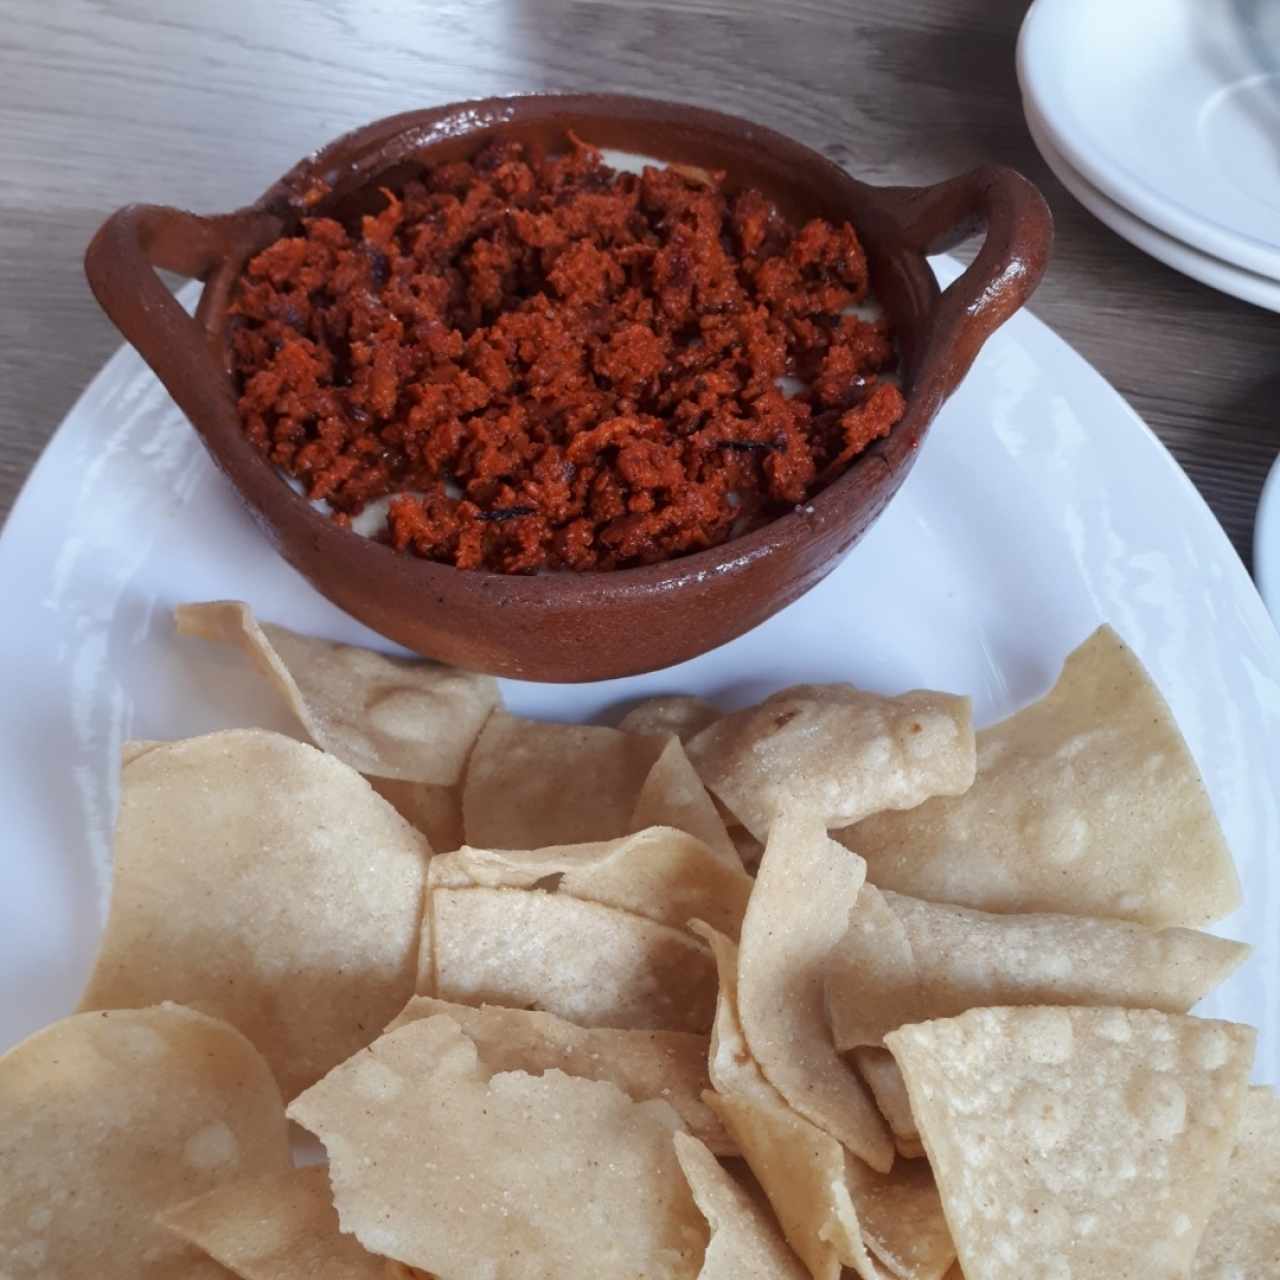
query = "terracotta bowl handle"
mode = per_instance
[
  {"x": 120, "y": 265},
  {"x": 1019, "y": 235}
]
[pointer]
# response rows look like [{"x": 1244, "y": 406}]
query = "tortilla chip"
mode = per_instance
[
  {"x": 593, "y": 965},
  {"x": 817, "y": 1189},
  {"x": 673, "y": 796},
  {"x": 904, "y": 960},
  {"x": 677, "y": 713},
  {"x": 435, "y": 811},
  {"x": 798, "y": 913},
  {"x": 1242, "y": 1240},
  {"x": 261, "y": 881},
  {"x": 280, "y": 1226},
  {"x": 880, "y": 1071},
  {"x": 1081, "y": 1142},
  {"x": 671, "y": 1065},
  {"x": 836, "y": 753},
  {"x": 729, "y": 1062},
  {"x": 136, "y": 747},
  {"x": 659, "y": 873},
  {"x": 1086, "y": 802},
  {"x": 879, "y": 938},
  {"x": 438, "y": 1163},
  {"x": 745, "y": 1244},
  {"x": 391, "y": 717},
  {"x": 901, "y": 1217},
  {"x": 750, "y": 850},
  {"x": 530, "y": 785},
  {"x": 803, "y": 1172},
  {"x": 800, "y": 1169},
  {"x": 108, "y": 1118}
]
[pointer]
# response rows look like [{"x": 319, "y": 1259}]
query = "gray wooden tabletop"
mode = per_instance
[{"x": 202, "y": 103}]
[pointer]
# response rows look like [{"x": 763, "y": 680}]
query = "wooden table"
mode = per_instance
[{"x": 202, "y": 103}]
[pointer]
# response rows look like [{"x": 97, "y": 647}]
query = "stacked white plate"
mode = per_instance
[{"x": 1162, "y": 117}]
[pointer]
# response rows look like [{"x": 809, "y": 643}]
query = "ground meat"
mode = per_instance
[{"x": 552, "y": 365}]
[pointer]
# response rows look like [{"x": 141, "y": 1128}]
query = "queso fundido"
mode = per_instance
[{"x": 547, "y": 364}]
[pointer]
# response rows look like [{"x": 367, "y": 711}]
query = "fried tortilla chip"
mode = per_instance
[
  {"x": 593, "y": 965},
  {"x": 902, "y": 1220},
  {"x": 108, "y": 1118},
  {"x": 390, "y": 717},
  {"x": 671, "y": 1065},
  {"x": 1086, "y": 802},
  {"x": 800, "y": 1168},
  {"x": 1077, "y": 1142},
  {"x": 804, "y": 1174},
  {"x": 750, "y": 850},
  {"x": 280, "y": 1226},
  {"x": 817, "y": 1189},
  {"x": 880, "y": 1071},
  {"x": 261, "y": 881},
  {"x": 673, "y": 796},
  {"x": 530, "y": 785},
  {"x": 677, "y": 713},
  {"x": 444, "y": 1166},
  {"x": 904, "y": 960},
  {"x": 745, "y": 1244},
  {"x": 435, "y": 811},
  {"x": 660, "y": 873},
  {"x": 799, "y": 911},
  {"x": 136, "y": 747},
  {"x": 1242, "y": 1240},
  {"x": 836, "y": 754}
]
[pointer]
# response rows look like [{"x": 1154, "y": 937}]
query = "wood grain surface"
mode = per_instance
[{"x": 202, "y": 103}]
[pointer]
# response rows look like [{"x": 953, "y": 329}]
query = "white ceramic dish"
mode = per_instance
[
  {"x": 1217, "y": 274},
  {"x": 1040, "y": 507},
  {"x": 1171, "y": 108},
  {"x": 1266, "y": 542}
]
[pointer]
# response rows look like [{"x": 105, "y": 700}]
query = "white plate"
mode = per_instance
[
  {"x": 1041, "y": 506},
  {"x": 1266, "y": 542},
  {"x": 1172, "y": 109},
  {"x": 1217, "y": 274}
]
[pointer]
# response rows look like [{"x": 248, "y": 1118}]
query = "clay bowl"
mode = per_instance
[{"x": 591, "y": 626}]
